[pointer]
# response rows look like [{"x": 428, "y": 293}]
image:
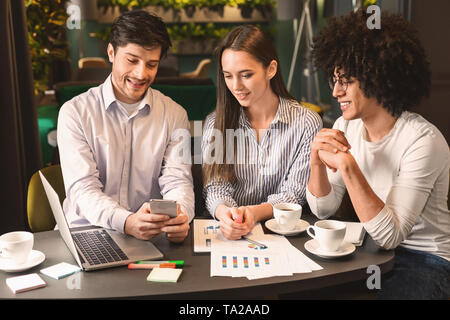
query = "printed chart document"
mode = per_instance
[
  {"x": 205, "y": 230},
  {"x": 240, "y": 258}
]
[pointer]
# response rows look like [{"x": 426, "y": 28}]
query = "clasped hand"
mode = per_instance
[
  {"x": 145, "y": 225},
  {"x": 235, "y": 222},
  {"x": 330, "y": 148}
]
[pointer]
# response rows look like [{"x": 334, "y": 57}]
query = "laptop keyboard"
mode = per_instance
[{"x": 98, "y": 247}]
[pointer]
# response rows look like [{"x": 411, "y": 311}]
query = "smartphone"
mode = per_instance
[{"x": 161, "y": 206}]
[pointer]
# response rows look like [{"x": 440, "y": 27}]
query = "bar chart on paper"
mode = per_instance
[
  {"x": 206, "y": 230},
  {"x": 256, "y": 257},
  {"x": 209, "y": 232},
  {"x": 243, "y": 262},
  {"x": 239, "y": 258},
  {"x": 239, "y": 265}
]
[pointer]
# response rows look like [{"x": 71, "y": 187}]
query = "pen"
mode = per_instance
[
  {"x": 178, "y": 263},
  {"x": 262, "y": 245},
  {"x": 137, "y": 266}
]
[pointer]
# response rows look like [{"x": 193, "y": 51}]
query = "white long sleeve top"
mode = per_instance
[
  {"x": 112, "y": 161},
  {"x": 409, "y": 171}
]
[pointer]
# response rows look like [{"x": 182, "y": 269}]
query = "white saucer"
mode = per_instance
[
  {"x": 301, "y": 226},
  {"x": 313, "y": 247},
  {"x": 36, "y": 257}
]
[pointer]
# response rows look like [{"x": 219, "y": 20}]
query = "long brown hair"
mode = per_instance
[{"x": 254, "y": 41}]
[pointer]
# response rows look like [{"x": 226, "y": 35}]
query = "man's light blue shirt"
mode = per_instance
[{"x": 113, "y": 162}]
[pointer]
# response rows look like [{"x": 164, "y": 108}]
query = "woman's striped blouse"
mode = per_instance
[{"x": 272, "y": 171}]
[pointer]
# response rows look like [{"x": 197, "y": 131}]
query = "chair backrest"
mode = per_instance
[
  {"x": 198, "y": 101},
  {"x": 92, "y": 74},
  {"x": 93, "y": 62},
  {"x": 200, "y": 206},
  {"x": 64, "y": 91},
  {"x": 200, "y": 72},
  {"x": 39, "y": 212},
  {"x": 203, "y": 68},
  {"x": 313, "y": 107}
]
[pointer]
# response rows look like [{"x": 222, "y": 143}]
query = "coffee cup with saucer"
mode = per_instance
[
  {"x": 328, "y": 236},
  {"x": 273, "y": 226},
  {"x": 287, "y": 215},
  {"x": 286, "y": 219},
  {"x": 16, "y": 252},
  {"x": 346, "y": 248}
]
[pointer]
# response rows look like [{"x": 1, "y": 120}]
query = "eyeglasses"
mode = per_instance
[{"x": 341, "y": 81}]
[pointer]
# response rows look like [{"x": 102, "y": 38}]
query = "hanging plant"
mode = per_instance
[{"x": 189, "y": 6}]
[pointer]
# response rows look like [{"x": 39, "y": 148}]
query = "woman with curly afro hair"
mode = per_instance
[{"x": 393, "y": 163}]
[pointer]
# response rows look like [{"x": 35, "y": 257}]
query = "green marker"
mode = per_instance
[{"x": 178, "y": 263}]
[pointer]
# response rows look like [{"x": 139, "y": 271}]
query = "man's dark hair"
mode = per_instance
[
  {"x": 142, "y": 28},
  {"x": 389, "y": 63}
]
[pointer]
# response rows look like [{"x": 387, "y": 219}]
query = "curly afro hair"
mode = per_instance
[{"x": 389, "y": 63}]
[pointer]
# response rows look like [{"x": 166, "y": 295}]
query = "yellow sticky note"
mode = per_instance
[{"x": 164, "y": 275}]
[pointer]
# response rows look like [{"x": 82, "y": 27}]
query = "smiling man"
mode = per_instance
[
  {"x": 393, "y": 163},
  {"x": 115, "y": 141}
]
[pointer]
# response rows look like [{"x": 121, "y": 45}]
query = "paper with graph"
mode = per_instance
[
  {"x": 205, "y": 230},
  {"x": 240, "y": 258}
]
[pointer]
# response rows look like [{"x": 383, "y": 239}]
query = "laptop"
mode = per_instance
[{"x": 98, "y": 248}]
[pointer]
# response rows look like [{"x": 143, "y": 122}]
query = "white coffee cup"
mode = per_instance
[
  {"x": 328, "y": 233},
  {"x": 287, "y": 215},
  {"x": 16, "y": 246}
]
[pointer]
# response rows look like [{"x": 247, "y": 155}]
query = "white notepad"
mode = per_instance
[
  {"x": 25, "y": 283},
  {"x": 60, "y": 270},
  {"x": 355, "y": 233},
  {"x": 164, "y": 275}
]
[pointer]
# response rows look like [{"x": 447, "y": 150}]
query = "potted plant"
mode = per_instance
[
  {"x": 247, "y": 7},
  {"x": 46, "y": 20},
  {"x": 190, "y": 6},
  {"x": 196, "y": 38}
]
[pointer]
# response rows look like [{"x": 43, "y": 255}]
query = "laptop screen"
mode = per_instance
[{"x": 60, "y": 218}]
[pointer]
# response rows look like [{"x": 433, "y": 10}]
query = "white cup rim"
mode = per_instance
[
  {"x": 287, "y": 205},
  {"x": 28, "y": 236},
  {"x": 337, "y": 225}
]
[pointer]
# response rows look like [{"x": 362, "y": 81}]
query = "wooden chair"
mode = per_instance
[
  {"x": 93, "y": 62},
  {"x": 200, "y": 72}
]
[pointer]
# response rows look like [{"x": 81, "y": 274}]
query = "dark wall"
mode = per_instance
[
  {"x": 432, "y": 20},
  {"x": 19, "y": 138}
]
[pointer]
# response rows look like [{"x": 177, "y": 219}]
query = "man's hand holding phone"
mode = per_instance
[{"x": 158, "y": 216}]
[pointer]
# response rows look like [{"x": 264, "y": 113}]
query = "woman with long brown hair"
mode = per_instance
[{"x": 256, "y": 145}]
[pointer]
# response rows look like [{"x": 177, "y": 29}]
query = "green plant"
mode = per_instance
[
  {"x": 196, "y": 31},
  {"x": 367, "y": 3},
  {"x": 214, "y": 5},
  {"x": 183, "y": 31},
  {"x": 252, "y": 3},
  {"x": 125, "y": 5},
  {"x": 247, "y": 6},
  {"x": 46, "y": 20}
]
